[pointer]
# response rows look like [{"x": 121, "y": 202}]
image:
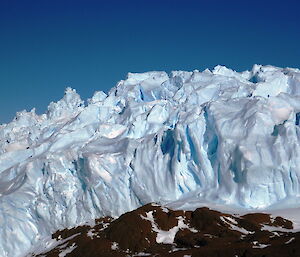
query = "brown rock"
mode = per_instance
[{"x": 206, "y": 233}]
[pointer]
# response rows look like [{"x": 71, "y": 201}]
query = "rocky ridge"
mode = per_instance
[{"x": 154, "y": 230}]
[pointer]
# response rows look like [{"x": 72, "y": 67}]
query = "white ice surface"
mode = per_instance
[{"x": 227, "y": 138}]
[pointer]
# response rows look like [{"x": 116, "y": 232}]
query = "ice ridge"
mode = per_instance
[{"x": 224, "y": 136}]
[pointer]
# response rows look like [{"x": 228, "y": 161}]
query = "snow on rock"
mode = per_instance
[
  {"x": 150, "y": 231},
  {"x": 114, "y": 246},
  {"x": 233, "y": 224},
  {"x": 64, "y": 252},
  {"x": 231, "y": 137},
  {"x": 166, "y": 236}
]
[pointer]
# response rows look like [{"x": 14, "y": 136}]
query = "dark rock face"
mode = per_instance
[{"x": 153, "y": 230}]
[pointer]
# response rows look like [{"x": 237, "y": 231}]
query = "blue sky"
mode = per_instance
[{"x": 47, "y": 45}]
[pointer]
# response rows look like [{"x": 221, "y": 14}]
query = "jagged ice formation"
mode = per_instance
[{"x": 220, "y": 135}]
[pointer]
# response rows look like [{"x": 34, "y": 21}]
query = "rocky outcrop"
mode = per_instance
[{"x": 154, "y": 230}]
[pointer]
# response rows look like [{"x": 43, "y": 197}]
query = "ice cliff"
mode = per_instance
[{"x": 223, "y": 136}]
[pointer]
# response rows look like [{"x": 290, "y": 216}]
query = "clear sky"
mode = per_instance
[{"x": 47, "y": 45}]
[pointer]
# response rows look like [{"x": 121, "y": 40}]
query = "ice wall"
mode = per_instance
[{"x": 224, "y": 136}]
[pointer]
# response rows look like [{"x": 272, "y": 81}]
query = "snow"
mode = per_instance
[
  {"x": 114, "y": 246},
  {"x": 70, "y": 249},
  {"x": 92, "y": 233},
  {"x": 223, "y": 137},
  {"x": 258, "y": 245},
  {"x": 47, "y": 244},
  {"x": 164, "y": 209},
  {"x": 141, "y": 254},
  {"x": 233, "y": 225},
  {"x": 276, "y": 229},
  {"x": 166, "y": 236},
  {"x": 290, "y": 213},
  {"x": 290, "y": 240}
]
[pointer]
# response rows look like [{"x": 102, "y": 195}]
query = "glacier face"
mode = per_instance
[{"x": 221, "y": 135}]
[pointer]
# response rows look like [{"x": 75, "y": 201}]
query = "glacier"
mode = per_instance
[{"x": 222, "y": 136}]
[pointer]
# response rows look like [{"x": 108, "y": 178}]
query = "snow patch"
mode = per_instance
[
  {"x": 290, "y": 240},
  {"x": 233, "y": 225},
  {"x": 166, "y": 236},
  {"x": 114, "y": 246},
  {"x": 68, "y": 250}
]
